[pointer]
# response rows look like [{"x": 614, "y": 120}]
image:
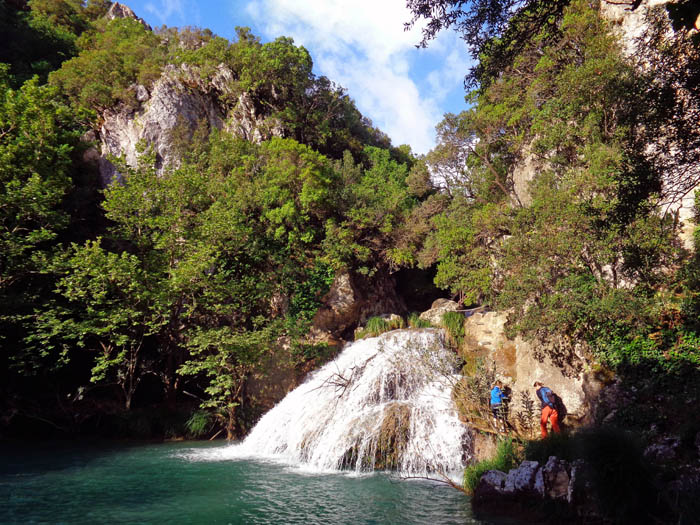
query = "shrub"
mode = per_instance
[
  {"x": 453, "y": 323},
  {"x": 414, "y": 321},
  {"x": 471, "y": 392},
  {"x": 378, "y": 325},
  {"x": 110, "y": 62},
  {"x": 506, "y": 458},
  {"x": 199, "y": 423}
]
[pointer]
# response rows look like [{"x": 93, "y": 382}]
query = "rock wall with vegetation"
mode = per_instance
[
  {"x": 256, "y": 211},
  {"x": 184, "y": 292},
  {"x": 572, "y": 215}
]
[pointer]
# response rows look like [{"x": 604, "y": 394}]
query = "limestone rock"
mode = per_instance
[
  {"x": 437, "y": 309},
  {"x": 340, "y": 306},
  {"x": 489, "y": 490},
  {"x": 142, "y": 94},
  {"x": 179, "y": 98},
  {"x": 352, "y": 300},
  {"x": 483, "y": 446},
  {"x": 170, "y": 105},
  {"x": 539, "y": 486},
  {"x": 522, "y": 491},
  {"x": 663, "y": 451},
  {"x": 631, "y": 25},
  {"x": 556, "y": 478},
  {"x": 521, "y": 479},
  {"x": 245, "y": 123},
  {"x": 118, "y": 10},
  {"x": 521, "y": 363},
  {"x": 579, "y": 494}
]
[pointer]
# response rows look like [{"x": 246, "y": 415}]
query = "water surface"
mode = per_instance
[{"x": 192, "y": 482}]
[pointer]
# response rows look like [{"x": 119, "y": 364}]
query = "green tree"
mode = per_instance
[
  {"x": 186, "y": 278},
  {"x": 37, "y": 137},
  {"x": 228, "y": 358},
  {"x": 375, "y": 204},
  {"x": 567, "y": 249},
  {"x": 495, "y": 31},
  {"x": 111, "y": 61},
  {"x": 112, "y": 306}
]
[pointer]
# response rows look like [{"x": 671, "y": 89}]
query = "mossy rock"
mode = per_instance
[{"x": 393, "y": 437}]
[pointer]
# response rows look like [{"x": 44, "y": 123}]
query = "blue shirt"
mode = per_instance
[
  {"x": 544, "y": 394},
  {"x": 496, "y": 396}
]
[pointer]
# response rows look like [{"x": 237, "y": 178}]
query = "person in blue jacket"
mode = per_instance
[{"x": 497, "y": 402}]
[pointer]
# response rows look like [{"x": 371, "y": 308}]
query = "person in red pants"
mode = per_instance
[{"x": 549, "y": 409}]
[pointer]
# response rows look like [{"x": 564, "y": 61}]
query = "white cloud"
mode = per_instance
[{"x": 362, "y": 45}]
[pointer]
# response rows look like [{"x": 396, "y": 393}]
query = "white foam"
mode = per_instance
[{"x": 342, "y": 405}]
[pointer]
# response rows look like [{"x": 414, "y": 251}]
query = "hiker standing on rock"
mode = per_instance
[
  {"x": 498, "y": 398},
  {"x": 549, "y": 409}
]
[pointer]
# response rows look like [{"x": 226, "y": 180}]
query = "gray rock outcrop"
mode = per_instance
[
  {"x": 178, "y": 101},
  {"x": 437, "y": 310},
  {"x": 118, "y": 10},
  {"x": 350, "y": 303},
  {"x": 556, "y": 479},
  {"x": 168, "y": 105},
  {"x": 525, "y": 488},
  {"x": 521, "y": 479}
]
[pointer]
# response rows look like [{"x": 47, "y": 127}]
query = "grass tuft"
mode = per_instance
[
  {"x": 453, "y": 323},
  {"x": 199, "y": 423},
  {"x": 505, "y": 459},
  {"x": 414, "y": 321},
  {"x": 378, "y": 325}
]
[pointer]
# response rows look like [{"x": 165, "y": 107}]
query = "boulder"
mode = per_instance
[
  {"x": 351, "y": 301},
  {"x": 521, "y": 479},
  {"x": 437, "y": 309},
  {"x": 489, "y": 490},
  {"x": 663, "y": 451},
  {"x": 527, "y": 491},
  {"x": 556, "y": 478},
  {"x": 340, "y": 307},
  {"x": 580, "y": 495}
]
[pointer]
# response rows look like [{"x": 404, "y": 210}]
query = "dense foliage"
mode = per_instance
[
  {"x": 197, "y": 279},
  {"x": 189, "y": 282},
  {"x": 553, "y": 210}
]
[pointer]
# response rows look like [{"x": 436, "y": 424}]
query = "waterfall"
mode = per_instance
[{"x": 384, "y": 403}]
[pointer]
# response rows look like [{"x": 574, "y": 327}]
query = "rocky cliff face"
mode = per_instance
[
  {"x": 632, "y": 21},
  {"x": 519, "y": 363},
  {"x": 178, "y": 102},
  {"x": 118, "y": 10}
]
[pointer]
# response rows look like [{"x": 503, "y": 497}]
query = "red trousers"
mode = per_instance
[{"x": 553, "y": 416}]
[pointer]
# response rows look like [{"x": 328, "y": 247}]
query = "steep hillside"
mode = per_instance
[
  {"x": 237, "y": 187},
  {"x": 571, "y": 215}
]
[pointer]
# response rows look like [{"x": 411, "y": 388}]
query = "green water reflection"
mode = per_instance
[{"x": 170, "y": 483}]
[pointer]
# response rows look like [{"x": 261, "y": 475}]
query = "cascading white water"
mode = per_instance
[{"x": 384, "y": 402}]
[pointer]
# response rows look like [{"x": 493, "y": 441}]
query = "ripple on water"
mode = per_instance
[{"x": 205, "y": 483}]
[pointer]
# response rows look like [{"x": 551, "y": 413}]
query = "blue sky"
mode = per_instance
[{"x": 359, "y": 44}]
